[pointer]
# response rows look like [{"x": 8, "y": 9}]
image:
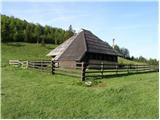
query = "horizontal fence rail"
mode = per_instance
[
  {"x": 84, "y": 70},
  {"x": 99, "y": 70},
  {"x": 42, "y": 65}
]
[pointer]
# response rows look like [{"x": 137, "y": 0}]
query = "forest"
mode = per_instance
[{"x": 17, "y": 30}]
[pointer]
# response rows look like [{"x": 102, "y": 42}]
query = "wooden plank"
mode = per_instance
[
  {"x": 14, "y": 62},
  {"x": 68, "y": 70},
  {"x": 66, "y": 73},
  {"x": 93, "y": 71},
  {"x": 83, "y": 70},
  {"x": 93, "y": 76}
]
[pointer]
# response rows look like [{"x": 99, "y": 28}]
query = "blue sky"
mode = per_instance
[{"x": 134, "y": 25}]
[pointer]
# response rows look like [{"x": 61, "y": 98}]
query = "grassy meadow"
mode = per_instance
[
  {"x": 28, "y": 93},
  {"x": 125, "y": 61}
]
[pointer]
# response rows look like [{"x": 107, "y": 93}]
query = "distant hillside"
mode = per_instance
[
  {"x": 29, "y": 93},
  {"x": 17, "y": 30},
  {"x": 27, "y": 51},
  {"x": 24, "y": 51},
  {"x": 125, "y": 61}
]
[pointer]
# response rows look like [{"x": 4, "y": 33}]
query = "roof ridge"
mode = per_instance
[
  {"x": 85, "y": 41},
  {"x": 74, "y": 36},
  {"x": 79, "y": 42},
  {"x": 89, "y": 35},
  {"x": 76, "y": 47},
  {"x": 70, "y": 40}
]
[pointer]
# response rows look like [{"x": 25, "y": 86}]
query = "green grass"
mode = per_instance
[
  {"x": 24, "y": 51},
  {"x": 27, "y": 51},
  {"x": 27, "y": 93},
  {"x": 125, "y": 61}
]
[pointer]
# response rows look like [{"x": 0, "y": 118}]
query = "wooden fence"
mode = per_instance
[
  {"x": 115, "y": 69},
  {"x": 84, "y": 70},
  {"x": 76, "y": 72},
  {"x": 42, "y": 65},
  {"x": 14, "y": 62}
]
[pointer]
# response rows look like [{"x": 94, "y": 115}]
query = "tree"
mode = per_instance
[
  {"x": 14, "y": 29},
  {"x": 142, "y": 59},
  {"x": 5, "y": 29},
  {"x": 58, "y": 36},
  {"x": 37, "y": 32},
  {"x": 125, "y": 52},
  {"x": 46, "y": 29},
  {"x": 47, "y": 33},
  {"x": 15, "y": 37},
  {"x": 153, "y": 61},
  {"x": 42, "y": 40},
  {"x": 70, "y": 29},
  {"x": 117, "y": 48},
  {"x": 27, "y": 33},
  {"x": 132, "y": 58}
]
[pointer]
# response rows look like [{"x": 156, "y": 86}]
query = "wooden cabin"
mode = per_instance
[{"x": 83, "y": 47}]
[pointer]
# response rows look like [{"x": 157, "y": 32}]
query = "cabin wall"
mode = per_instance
[
  {"x": 98, "y": 58},
  {"x": 100, "y": 61},
  {"x": 67, "y": 64},
  {"x": 92, "y": 58}
]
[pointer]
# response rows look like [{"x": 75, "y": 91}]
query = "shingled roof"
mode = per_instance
[{"x": 76, "y": 47}]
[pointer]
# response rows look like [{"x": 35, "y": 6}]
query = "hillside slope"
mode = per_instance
[
  {"x": 28, "y": 93},
  {"x": 125, "y": 61},
  {"x": 25, "y": 51},
  {"x": 28, "y": 51}
]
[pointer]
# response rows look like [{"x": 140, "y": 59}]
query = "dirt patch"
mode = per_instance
[{"x": 100, "y": 85}]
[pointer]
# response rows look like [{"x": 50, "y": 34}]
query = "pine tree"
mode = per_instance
[
  {"x": 27, "y": 33},
  {"x": 14, "y": 29},
  {"x": 37, "y": 32},
  {"x": 70, "y": 29}
]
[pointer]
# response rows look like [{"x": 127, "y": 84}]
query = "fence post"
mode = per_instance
[
  {"x": 41, "y": 65},
  {"x": 33, "y": 64},
  {"x": 151, "y": 68},
  {"x": 53, "y": 67},
  {"x": 83, "y": 71},
  {"x": 27, "y": 64},
  {"x": 157, "y": 68},
  {"x": 116, "y": 69},
  {"x": 102, "y": 68},
  {"x": 128, "y": 68}
]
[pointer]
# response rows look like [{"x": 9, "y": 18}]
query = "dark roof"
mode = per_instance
[
  {"x": 96, "y": 45},
  {"x": 76, "y": 50},
  {"x": 58, "y": 51},
  {"x": 83, "y": 42}
]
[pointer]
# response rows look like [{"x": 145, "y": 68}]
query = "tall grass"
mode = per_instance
[{"x": 28, "y": 93}]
